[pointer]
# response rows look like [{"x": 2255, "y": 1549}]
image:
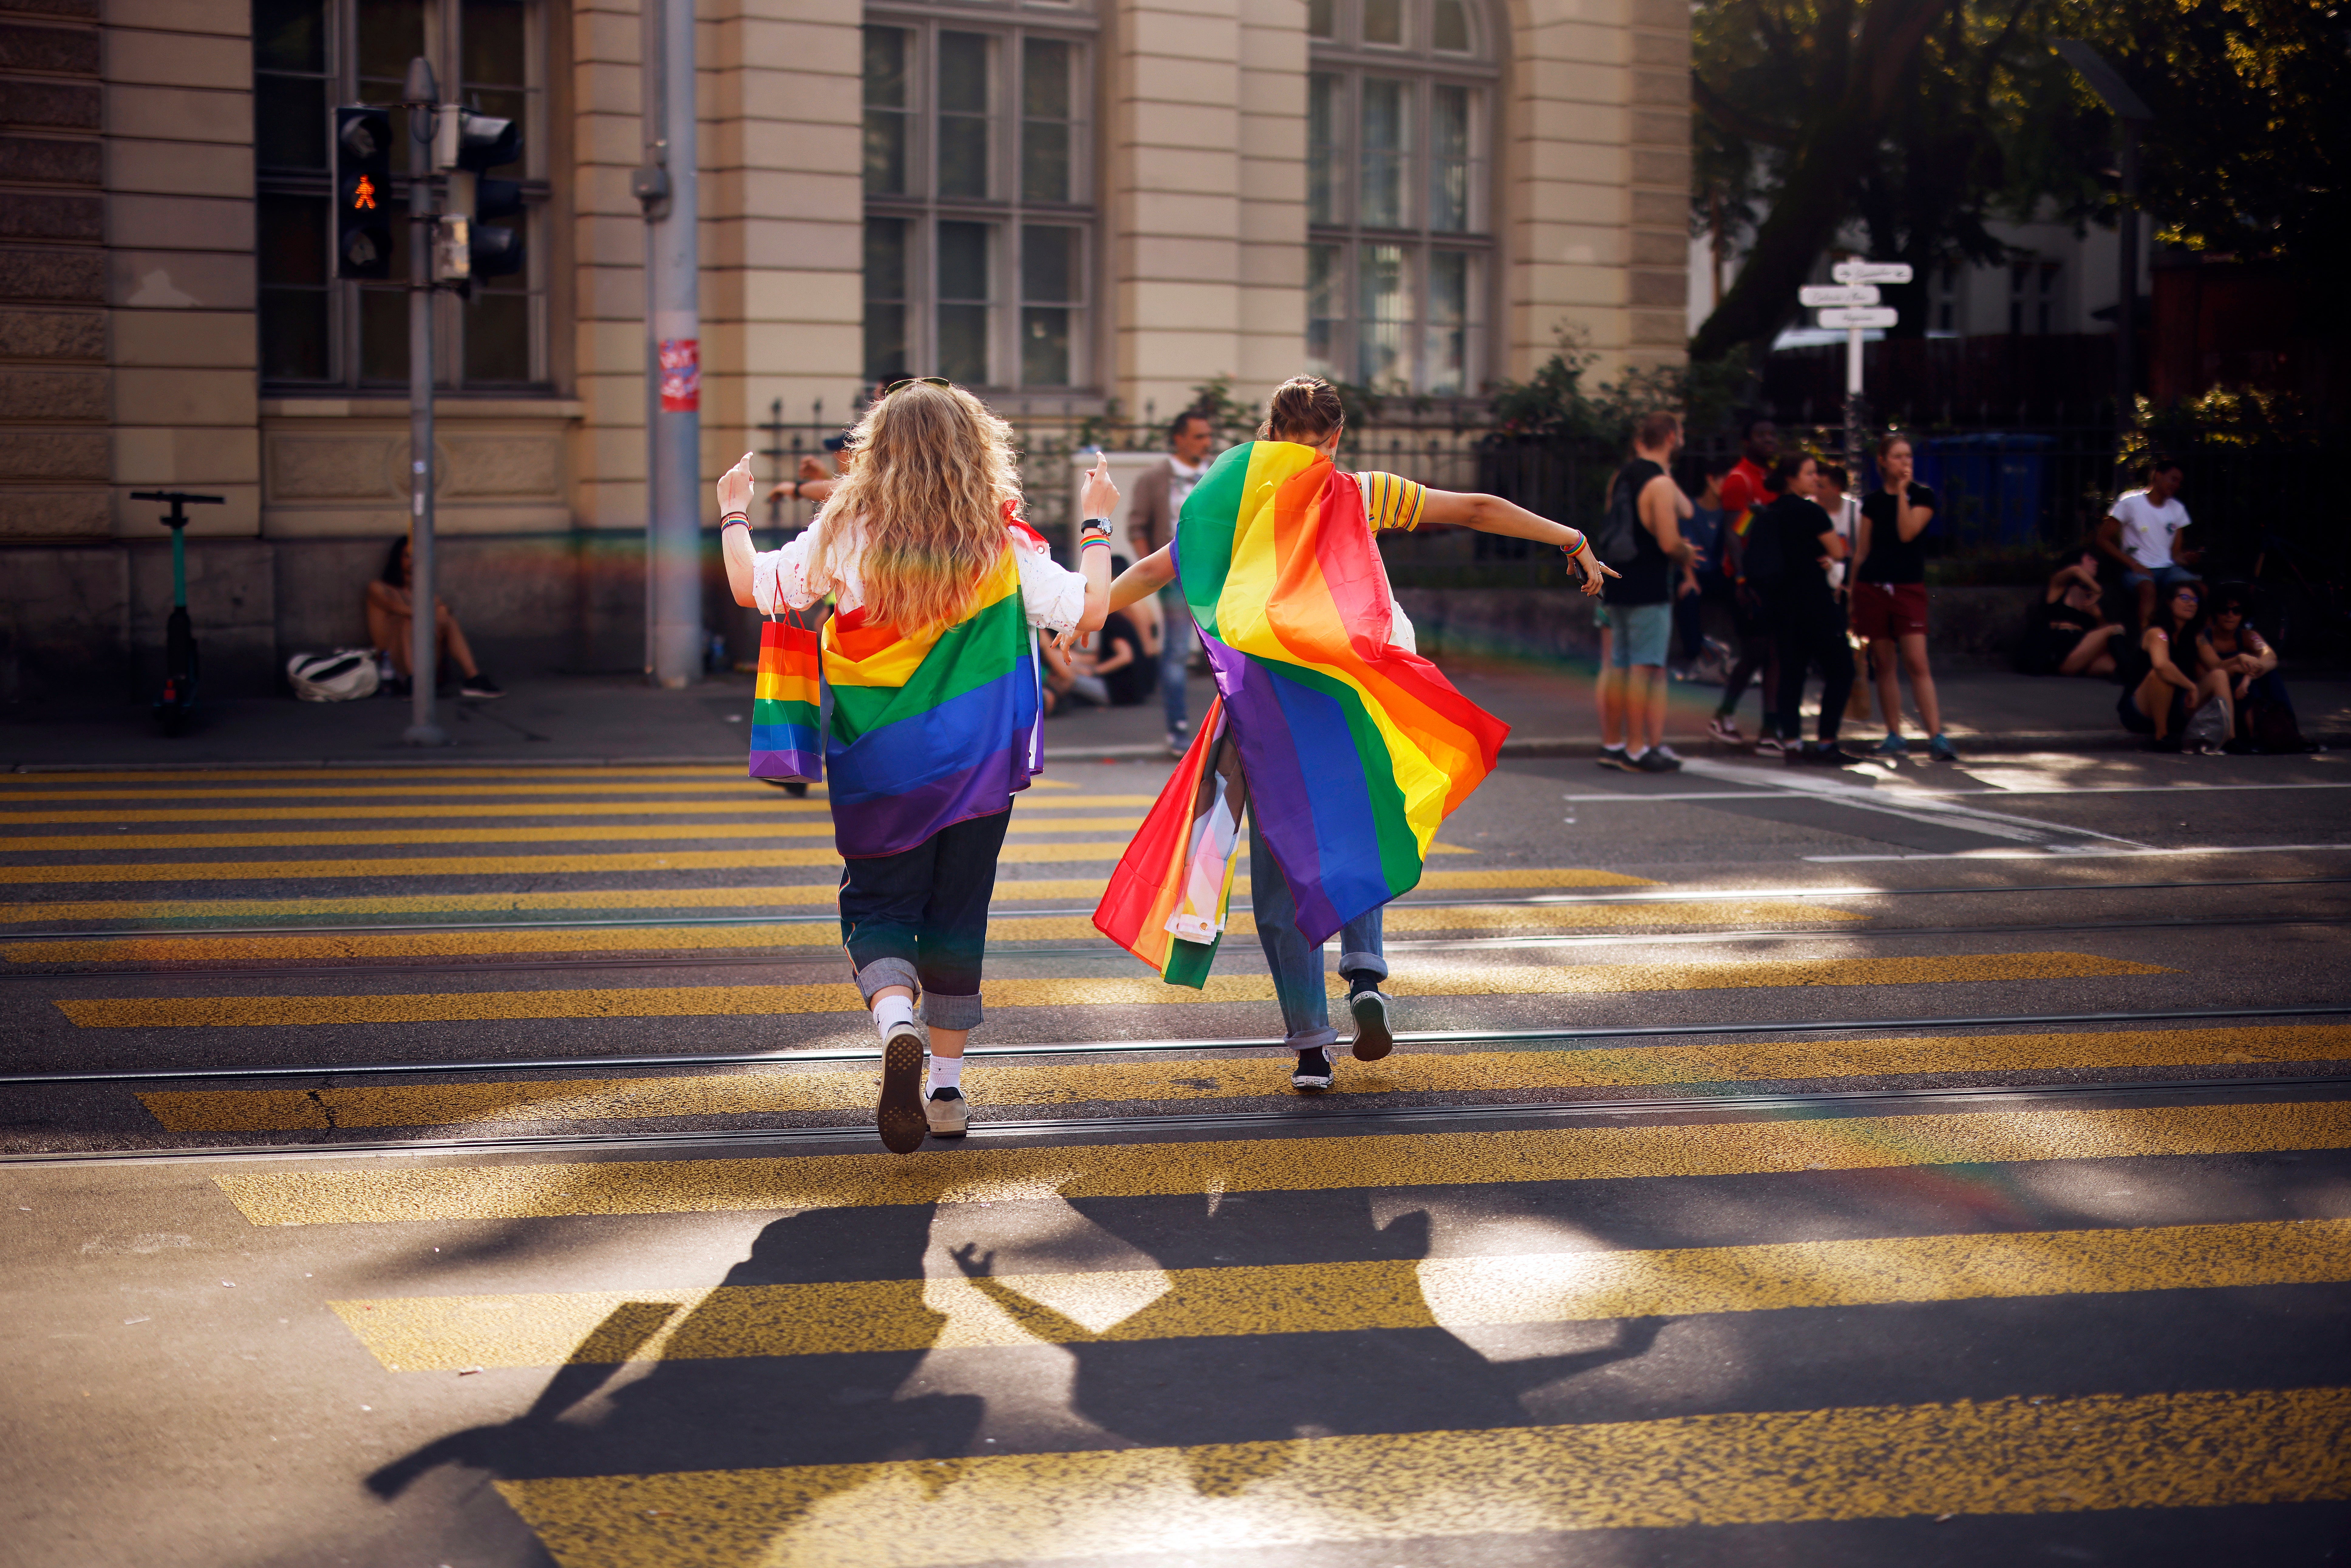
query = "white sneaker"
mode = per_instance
[
  {"x": 949, "y": 1114},
  {"x": 1312, "y": 1073},
  {"x": 1373, "y": 1037}
]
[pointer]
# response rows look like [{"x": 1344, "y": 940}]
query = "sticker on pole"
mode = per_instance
[
  {"x": 1818, "y": 295},
  {"x": 681, "y": 375},
  {"x": 1871, "y": 272},
  {"x": 1864, "y": 318}
]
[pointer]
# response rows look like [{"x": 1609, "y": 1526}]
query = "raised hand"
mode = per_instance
[
  {"x": 1099, "y": 497},
  {"x": 735, "y": 488}
]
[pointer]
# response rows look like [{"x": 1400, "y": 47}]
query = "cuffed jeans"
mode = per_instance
[
  {"x": 919, "y": 918},
  {"x": 1297, "y": 965},
  {"x": 1177, "y": 640}
]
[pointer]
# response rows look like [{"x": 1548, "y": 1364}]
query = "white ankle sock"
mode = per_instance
[
  {"x": 947, "y": 1072},
  {"x": 893, "y": 1013}
]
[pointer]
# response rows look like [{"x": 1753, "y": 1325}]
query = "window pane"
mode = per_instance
[
  {"x": 1322, "y": 110},
  {"x": 290, "y": 35},
  {"x": 1451, "y": 26},
  {"x": 1049, "y": 263},
  {"x": 963, "y": 114},
  {"x": 289, "y": 122},
  {"x": 1447, "y": 351},
  {"x": 291, "y": 250},
  {"x": 1386, "y": 136},
  {"x": 1384, "y": 21},
  {"x": 885, "y": 295},
  {"x": 494, "y": 37},
  {"x": 497, "y": 331},
  {"x": 1383, "y": 312},
  {"x": 390, "y": 34},
  {"x": 1321, "y": 19},
  {"x": 1325, "y": 306},
  {"x": 383, "y": 334},
  {"x": 1045, "y": 79},
  {"x": 963, "y": 328},
  {"x": 886, "y": 49},
  {"x": 1449, "y": 159},
  {"x": 293, "y": 334},
  {"x": 1044, "y": 161},
  {"x": 1045, "y": 125},
  {"x": 290, "y": 236},
  {"x": 1044, "y": 347}
]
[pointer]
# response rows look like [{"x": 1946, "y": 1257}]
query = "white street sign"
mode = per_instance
[
  {"x": 1871, "y": 272},
  {"x": 1864, "y": 318},
  {"x": 1816, "y": 295}
]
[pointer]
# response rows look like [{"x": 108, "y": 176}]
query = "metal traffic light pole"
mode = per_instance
[
  {"x": 667, "y": 187},
  {"x": 423, "y": 96}
]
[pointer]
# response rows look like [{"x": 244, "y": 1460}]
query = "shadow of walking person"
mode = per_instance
[
  {"x": 1247, "y": 1354},
  {"x": 657, "y": 1388}
]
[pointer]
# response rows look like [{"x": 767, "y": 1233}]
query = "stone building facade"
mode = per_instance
[{"x": 1072, "y": 205}]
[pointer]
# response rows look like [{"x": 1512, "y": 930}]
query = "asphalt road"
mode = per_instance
[{"x": 474, "y": 1167}]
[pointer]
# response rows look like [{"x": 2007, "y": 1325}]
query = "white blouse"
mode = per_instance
[{"x": 1053, "y": 595}]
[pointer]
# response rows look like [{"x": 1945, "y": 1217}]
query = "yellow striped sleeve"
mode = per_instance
[{"x": 1391, "y": 501}]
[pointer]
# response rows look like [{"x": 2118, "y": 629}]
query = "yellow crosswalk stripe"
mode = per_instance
[
  {"x": 1122, "y": 1306},
  {"x": 1421, "y": 980},
  {"x": 406, "y": 777},
  {"x": 2012, "y": 1455},
  {"x": 1085, "y": 889},
  {"x": 622, "y": 781},
  {"x": 514, "y": 865},
  {"x": 313, "y": 1195},
  {"x": 647, "y": 833},
  {"x": 1009, "y": 1086},
  {"x": 773, "y": 803},
  {"x": 1515, "y": 919}
]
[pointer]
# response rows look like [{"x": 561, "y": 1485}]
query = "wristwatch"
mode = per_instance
[{"x": 1094, "y": 528}]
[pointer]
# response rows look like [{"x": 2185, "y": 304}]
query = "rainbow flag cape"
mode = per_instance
[
  {"x": 786, "y": 705},
  {"x": 931, "y": 730},
  {"x": 1349, "y": 751}
]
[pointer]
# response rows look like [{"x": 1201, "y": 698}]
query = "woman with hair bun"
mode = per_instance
[
  {"x": 1343, "y": 746},
  {"x": 930, "y": 662}
]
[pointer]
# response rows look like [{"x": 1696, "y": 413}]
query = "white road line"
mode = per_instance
[
  {"x": 1906, "y": 792},
  {"x": 1928, "y": 811},
  {"x": 2067, "y": 852}
]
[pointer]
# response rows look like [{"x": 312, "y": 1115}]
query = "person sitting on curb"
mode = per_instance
[
  {"x": 2229, "y": 645},
  {"x": 2159, "y": 687},
  {"x": 391, "y": 619},
  {"x": 2070, "y": 632}
]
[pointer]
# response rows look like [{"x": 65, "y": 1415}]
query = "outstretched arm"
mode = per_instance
[
  {"x": 1493, "y": 515},
  {"x": 1143, "y": 579}
]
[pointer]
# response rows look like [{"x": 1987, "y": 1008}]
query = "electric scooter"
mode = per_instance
[{"x": 179, "y": 699}]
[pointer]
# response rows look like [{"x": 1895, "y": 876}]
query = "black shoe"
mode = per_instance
[
  {"x": 1312, "y": 1074},
  {"x": 479, "y": 685},
  {"x": 796, "y": 788},
  {"x": 1830, "y": 756},
  {"x": 1614, "y": 756},
  {"x": 1656, "y": 759},
  {"x": 1374, "y": 1037},
  {"x": 900, "y": 1117}
]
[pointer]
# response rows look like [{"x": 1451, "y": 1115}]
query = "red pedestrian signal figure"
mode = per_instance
[{"x": 364, "y": 195}]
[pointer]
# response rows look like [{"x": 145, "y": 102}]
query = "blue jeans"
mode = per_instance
[
  {"x": 1297, "y": 965},
  {"x": 1177, "y": 641}
]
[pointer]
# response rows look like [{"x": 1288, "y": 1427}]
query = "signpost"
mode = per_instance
[{"x": 1853, "y": 307}]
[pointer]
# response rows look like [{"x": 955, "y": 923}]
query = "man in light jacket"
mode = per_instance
[{"x": 1159, "y": 492}]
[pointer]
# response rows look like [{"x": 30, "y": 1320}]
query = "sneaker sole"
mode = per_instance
[
  {"x": 899, "y": 1116},
  {"x": 1374, "y": 1039}
]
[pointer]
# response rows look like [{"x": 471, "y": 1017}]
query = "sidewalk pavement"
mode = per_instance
[{"x": 598, "y": 719}]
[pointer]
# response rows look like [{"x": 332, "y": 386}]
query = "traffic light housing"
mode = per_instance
[
  {"x": 469, "y": 143},
  {"x": 363, "y": 223}
]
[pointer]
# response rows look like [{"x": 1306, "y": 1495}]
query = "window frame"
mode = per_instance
[
  {"x": 1007, "y": 208},
  {"x": 346, "y": 311},
  {"x": 1337, "y": 233}
]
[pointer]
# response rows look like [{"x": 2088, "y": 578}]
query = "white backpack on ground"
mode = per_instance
[{"x": 337, "y": 677}]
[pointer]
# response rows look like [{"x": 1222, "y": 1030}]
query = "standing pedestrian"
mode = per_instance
[
  {"x": 931, "y": 660},
  {"x": 1646, "y": 511},
  {"x": 1696, "y": 587},
  {"x": 1159, "y": 493},
  {"x": 1791, "y": 541},
  {"x": 1746, "y": 491},
  {"x": 1889, "y": 596},
  {"x": 1345, "y": 748}
]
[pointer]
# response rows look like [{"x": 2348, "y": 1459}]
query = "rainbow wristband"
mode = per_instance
[{"x": 734, "y": 519}]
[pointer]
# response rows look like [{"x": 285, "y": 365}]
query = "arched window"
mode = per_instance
[{"x": 1400, "y": 108}]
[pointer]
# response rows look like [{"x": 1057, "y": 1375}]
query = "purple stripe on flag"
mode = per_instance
[
  {"x": 1279, "y": 796},
  {"x": 889, "y": 824}
]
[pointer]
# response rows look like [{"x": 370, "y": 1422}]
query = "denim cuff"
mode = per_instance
[
  {"x": 883, "y": 973},
  {"x": 1323, "y": 1035},
  {"x": 942, "y": 1012},
  {"x": 1370, "y": 964}
]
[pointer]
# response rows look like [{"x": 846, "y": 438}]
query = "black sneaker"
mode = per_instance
[
  {"x": 1374, "y": 1037},
  {"x": 480, "y": 686},
  {"x": 1657, "y": 759},
  {"x": 1312, "y": 1074},
  {"x": 796, "y": 788},
  {"x": 900, "y": 1117},
  {"x": 1614, "y": 757},
  {"x": 1832, "y": 756}
]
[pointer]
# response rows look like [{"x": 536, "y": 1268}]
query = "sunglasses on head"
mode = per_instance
[{"x": 940, "y": 382}]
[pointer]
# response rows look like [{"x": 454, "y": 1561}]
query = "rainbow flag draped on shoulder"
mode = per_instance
[
  {"x": 1349, "y": 751},
  {"x": 929, "y": 730}
]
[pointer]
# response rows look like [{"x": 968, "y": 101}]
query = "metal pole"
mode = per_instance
[
  {"x": 424, "y": 632},
  {"x": 2126, "y": 295},
  {"x": 1853, "y": 407},
  {"x": 673, "y": 318}
]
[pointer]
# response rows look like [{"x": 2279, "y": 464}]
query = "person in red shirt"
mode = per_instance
[{"x": 1746, "y": 490}]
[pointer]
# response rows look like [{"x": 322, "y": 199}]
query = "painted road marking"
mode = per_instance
[
  {"x": 444, "y": 1334},
  {"x": 647, "y": 832},
  {"x": 513, "y": 865},
  {"x": 1012, "y": 1085},
  {"x": 1504, "y": 918},
  {"x": 1085, "y": 888},
  {"x": 314, "y": 1195},
  {"x": 1431, "y": 980},
  {"x": 2012, "y": 1455},
  {"x": 1024, "y": 805}
]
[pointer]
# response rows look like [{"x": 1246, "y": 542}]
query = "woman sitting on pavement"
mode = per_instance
[
  {"x": 2230, "y": 646},
  {"x": 391, "y": 620},
  {"x": 2158, "y": 693},
  {"x": 2071, "y": 633}
]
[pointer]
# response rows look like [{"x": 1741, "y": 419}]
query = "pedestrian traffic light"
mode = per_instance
[
  {"x": 466, "y": 144},
  {"x": 362, "y": 191}
]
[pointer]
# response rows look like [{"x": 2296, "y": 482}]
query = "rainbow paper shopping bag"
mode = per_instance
[{"x": 786, "y": 715}]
